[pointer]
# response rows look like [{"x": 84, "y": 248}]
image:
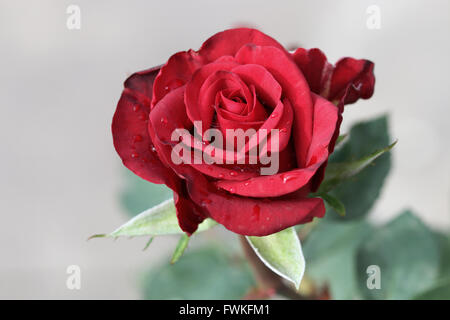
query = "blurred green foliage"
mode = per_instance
[
  {"x": 139, "y": 195},
  {"x": 206, "y": 273},
  {"x": 414, "y": 262}
]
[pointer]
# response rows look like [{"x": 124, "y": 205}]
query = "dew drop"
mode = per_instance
[
  {"x": 274, "y": 115},
  {"x": 205, "y": 202},
  {"x": 287, "y": 177},
  {"x": 256, "y": 212},
  {"x": 135, "y": 155},
  {"x": 220, "y": 175},
  {"x": 247, "y": 183},
  {"x": 137, "y": 138},
  {"x": 231, "y": 190},
  {"x": 233, "y": 173},
  {"x": 164, "y": 120},
  {"x": 283, "y": 130},
  {"x": 136, "y": 108}
]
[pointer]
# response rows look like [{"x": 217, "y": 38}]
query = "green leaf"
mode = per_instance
[
  {"x": 181, "y": 246},
  {"x": 139, "y": 194},
  {"x": 444, "y": 248},
  {"x": 282, "y": 253},
  {"x": 359, "y": 193},
  {"x": 159, "y": 220},
  {"x": 334, "y": 203},
  {"x": 206, "y": 273},
  {"x": 439, "y": 292},
  {"x": 407, "y": 254},
  {"x": 338, "y": 172},
  {"x": 330, "y": 250}
]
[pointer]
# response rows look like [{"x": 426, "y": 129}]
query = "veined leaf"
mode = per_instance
[
  {"x": 159, "y": 220},
  {"x": 282, "y": 253},
  {"x": 340, "y": 171}
]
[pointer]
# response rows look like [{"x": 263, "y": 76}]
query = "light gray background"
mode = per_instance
[{"x": 59, "y": 173}]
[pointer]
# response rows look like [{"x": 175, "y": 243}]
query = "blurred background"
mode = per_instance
[{"x": 61, "y": 180}]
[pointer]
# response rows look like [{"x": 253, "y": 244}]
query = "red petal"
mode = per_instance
[
  {"x": 265, "y": 84},
  {"x": 129, "y": 129},
  {"x": 229, "y": 42},
  {"x": 356, "y": 75},
  {"x": 176, "y": 72},
  {"x": 326, "y": 122},
  {"x": 256, "y": 217},
  {"x": 195, "y": 110},
  {"x": 295, "y": 89},
  {"x": 332, "y": 82}
]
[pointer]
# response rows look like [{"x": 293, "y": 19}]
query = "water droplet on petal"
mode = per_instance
[
  {"x": 164, "y": 120},
  {"x": 256, "y": 212},
  {"x": 274, "y": 115},
  {"x": 205, "y": 202},
  {"x": 233, "y": 173},
  {"x": 136, "y": 108},
  {"x": 247, "y": 183},
  {"x": 288, "y": 177},
  {"x": 220, "y": 175},
  {"x": 137, "y": 138},
  {"x": 283, "y": 130},
  {"x": 173, "y": 84},
  {"x": 231, "y": 190},
  {"x": 135, "y": 155}
]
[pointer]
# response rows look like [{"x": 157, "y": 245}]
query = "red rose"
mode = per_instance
[{"x": 239, "y": 79}]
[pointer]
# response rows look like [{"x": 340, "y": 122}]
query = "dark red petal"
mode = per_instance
[
  {"x": 142, "y": 82},
  {"x": 267, "y": 88},
  {"x": 350, "y": 76},
  {"x": 314, "y": 66},
  {"x": 189, "y": 214},
  {"x": 256, "y": 217},
  {"x": 129, "y": 129},
  {"x": 229, "y": 42},
  {"x": 319, "y": 176},
  {"x": 295, "y": 89},
  {"x": 169, "y": 114},
  {"x": 176, "y": 72},
  {"x": 172, "y": 107},
  {"x": 354, "y": 75},
  {"x": 192, "y": 98},
  {"x": 326, "y": 122}
]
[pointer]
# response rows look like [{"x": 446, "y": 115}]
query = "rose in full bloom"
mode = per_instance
[{"x": 239, "y": 79}]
